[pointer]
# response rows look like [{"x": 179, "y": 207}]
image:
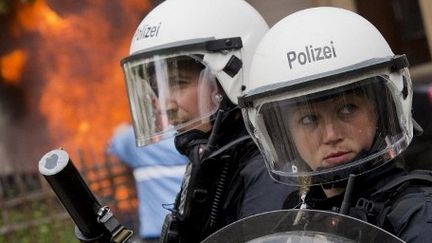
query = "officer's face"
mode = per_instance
[
  {"x": 332, "y": 132},
  {"x": 183, "y": 103}
]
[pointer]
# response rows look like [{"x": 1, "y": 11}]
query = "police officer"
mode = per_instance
[
  {"x": 187, "y": 66},
  {"x": 330, "y": 108}
]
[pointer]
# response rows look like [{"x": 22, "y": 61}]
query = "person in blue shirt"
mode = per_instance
[{"x": 158, "y": 170}]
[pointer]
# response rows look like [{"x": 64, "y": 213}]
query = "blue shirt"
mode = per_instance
[{"x": 158, "y": 170}]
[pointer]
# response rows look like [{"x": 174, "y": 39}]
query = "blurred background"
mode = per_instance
[{"x": 61, "y": 86}]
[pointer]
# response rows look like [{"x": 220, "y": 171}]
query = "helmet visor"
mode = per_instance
[
  {"x": 327, "y": 133},
  {"x": 169, "y": 92}
]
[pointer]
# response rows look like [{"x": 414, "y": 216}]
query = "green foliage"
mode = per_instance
[{"x": 44, "y": 228}]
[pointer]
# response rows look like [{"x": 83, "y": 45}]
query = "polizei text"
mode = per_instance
[
  {"x": 311, "y": 54},
  {"x": 147, "y": 31}
]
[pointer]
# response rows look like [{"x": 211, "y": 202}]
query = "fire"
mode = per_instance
[
  {"x": 39, "y": 17},
  {"x": 11, "y": 66},
  {"x": 66, "y": 56},
  {"x": 78, "y": 53}
]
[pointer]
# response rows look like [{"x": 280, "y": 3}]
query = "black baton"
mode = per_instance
[{"x": 94, "y": 222}]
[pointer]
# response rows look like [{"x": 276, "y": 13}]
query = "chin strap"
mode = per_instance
[
  {"x": 346, "y": 203},
  {"x": 418, "y": 130},
  {"x": 186, "y": 142}
]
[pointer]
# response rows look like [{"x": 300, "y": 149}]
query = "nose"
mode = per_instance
[
  {"x": 171, "y": 103},
  {"x": 331, "y": 132},
  {"x": 171, "y": 107}
]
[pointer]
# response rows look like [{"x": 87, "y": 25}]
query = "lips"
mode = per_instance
[{"x": 337, "y": 158}]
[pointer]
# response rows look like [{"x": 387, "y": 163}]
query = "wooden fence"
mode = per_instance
[{"x": 30, "y": 212}]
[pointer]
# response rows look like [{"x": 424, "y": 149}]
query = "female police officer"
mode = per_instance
[{"x": 329, "y": 105}]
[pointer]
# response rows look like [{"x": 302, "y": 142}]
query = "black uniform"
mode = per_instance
[
  {"x": 226, "y": 180},
  {"x": 252, "y": 190},
  {"x": 390, "y": 198}
]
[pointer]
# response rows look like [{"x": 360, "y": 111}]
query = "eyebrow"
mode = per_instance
[{"x": 180, "y": 75}]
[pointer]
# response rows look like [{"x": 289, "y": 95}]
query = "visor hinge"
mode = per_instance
[
  {"x": 233, "y": 66},
  {"x": 399, "y": 63}
]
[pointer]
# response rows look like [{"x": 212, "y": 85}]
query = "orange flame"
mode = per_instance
[
  {"x": 39, "y": 17},
  {"x": 11, "y": 66},
  {"x": 83, "y": 97}
]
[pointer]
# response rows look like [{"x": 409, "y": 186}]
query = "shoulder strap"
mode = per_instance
[
  {"x": 378, "y": 205},
  {"x": 415, "y": 175},
  {"x": 231, "y": 145}
]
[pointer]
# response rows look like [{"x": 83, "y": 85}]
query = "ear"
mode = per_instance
[{"x": 207, "y": 92}]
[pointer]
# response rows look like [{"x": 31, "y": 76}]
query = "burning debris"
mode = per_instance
[{"x": 60, "y": 80}]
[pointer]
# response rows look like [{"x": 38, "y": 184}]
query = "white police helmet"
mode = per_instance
[
  {"x": 314, "y": 78},
  {"x": 207, "y": 42}
]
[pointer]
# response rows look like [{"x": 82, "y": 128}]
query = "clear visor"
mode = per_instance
[
  {"x": 327, "y": 133},
  {"x": 170, "y": 94}
]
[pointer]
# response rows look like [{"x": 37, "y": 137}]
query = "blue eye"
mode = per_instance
[
  {"x": 348, "y": 109},
  {"x": 308, "y": 120}
]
